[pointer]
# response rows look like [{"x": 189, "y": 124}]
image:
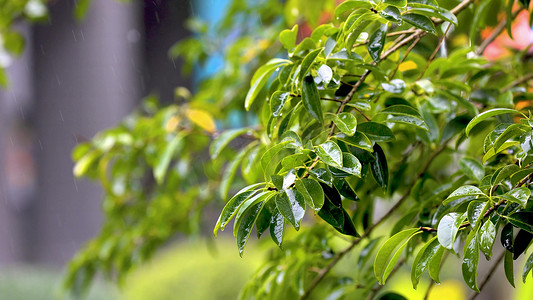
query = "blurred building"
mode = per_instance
[{"x": 73, "y": 80}]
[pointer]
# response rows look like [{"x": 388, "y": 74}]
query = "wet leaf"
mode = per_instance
[
  {"x": 508, "y": 267},
  {"x": 330, "y": 154},
  {"x": 260, "y": 79},
  {"x": 346, "y": 122},
  {"x": 277, "y": 227},
  {"x": 312, "y": 192},
  {"x": 422, "y": 260},
  {"x": 472, "y": 168},
  {"x": 420, "y": 22},
  {"x": 377, "y": 42},
  {"x": 447, "y": 229},
  {"x": 291, "y": 204},
  {"x": 487, "y": 235},
  {"x": 462, "y": 192},
  {"x": 380, "y": 169},
  {"x": 471, "y": 260},
  {"x": 523, "y": 220},
  {"x": 358, "y": 140},
  {"x": 277, "y": 101},
  {"x": 311, "y": 99},
  {"x": 488, "y": 114},
  {"x": 376, "y": 132}
]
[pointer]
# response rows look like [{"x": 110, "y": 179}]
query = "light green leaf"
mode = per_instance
[
  {"x": 277, "y": 101},
  {"x": 267, "y": 158},
  {"x": 397, "y": 3},
  {"x": 288, "y": 37},
  {"x": 447, "y": 229},
  {"x": 472, "y": 168},
  {"x": 163, "y": 161},
  {"x": 308, "y": 61},
  {"x": 260, "y": 79},
  {"x": 231, "y": 170},
  {"x": 358, "y": 140},
  {"x": 487, "y": 235},
  {"x": 350, "y": 5},
  {"x": 475, "y": 210},
  {"x": 231, "y": 209},
  {"x": 436, "y": 12},
  {"x": 223, "y": 140},
  {"x": 390, "y": 252},
  {"x": 471, "y": 260},
  {"x": 519, "y": 195},
  {"x": 488, "y": 114},
  {"x": 330, "y": 154},
  {"x": 391, "y": 13},
  {"x": 434, "y": 265},
  {"x": 464, "y": 191}
]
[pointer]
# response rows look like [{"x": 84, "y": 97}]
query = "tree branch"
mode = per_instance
[
  {"x": 495, "y": 33},
  {"x": 520, "y": 80}
]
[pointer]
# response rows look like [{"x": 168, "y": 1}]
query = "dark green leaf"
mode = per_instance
[
  {"x": 421, "y": 22},
  {"x": 264, "y": 218},
  {"x": 380, "y": 169},
  {"x": 508, "y": 267},
  {"x": 506, "y": 237},
  {"x": 436, "y": 12},
  {"x": 523, "y": 220},
  {"x": 348, "y": 227},
  {"x": 377, "y": 42},
  {"x": 376, "y": 132},
  {"x": 277, "y": 228},
  {"x": 521, "y": 243},
  {"x": 246, "y": 225},
  {"x": 322, "y": 175},
  {"x": 358, "y": 140},
  {"x": 312, "y": 192},
  {"x": 472, "y": 168},
  {"x": 311, "y": 98},
  {"x": 263, "y": 196},
  {"x": 331, "y": 213},
  {"x": 345, "y": 189},
  {"x": 434, "y": 265},
  {"x": 391, "y": 296}
]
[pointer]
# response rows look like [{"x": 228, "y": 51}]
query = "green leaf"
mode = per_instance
[
  {"x": 395, "y": 86},
  {"x": 376, "y": 132},
  {"x": 332, "y": 211},
  {"x": 519, "y": 195},
  {"x": 488, "y": 114},
  {"x": 510, "y": 132},
  {"x": 233, "y": 205},
  {"x": 402, "y": 110},
  {"x": 311, "y": 99},
  {"x": 423, "y": 258},
  {"x": 391, "y": 13},
  {"x": 268, "y": 156},
  {"x": 471, "y": 260},
  {"x": 277, "y": 101},
  {"x": 348, "y": 228},
  {"x": 408, "y": 120},
  {"x": 260, "y": 79},
  {"x": 345, "y": 189},
  {"x": 288, "y": 37},
  {"x": 350, "y": 5},
  {"x": 325, "y": 74},
  {"x": 13, "y": 42},
  {"x": 346, "y": 122},
  {"x": 475, "y": 210},
  {"x": 262, "y": 196},
  {"x": 80, "y": 11},
  {"x": 358, "y": 140},
  {"x": 308, "y": 61},
  {"x": 163, "y": 161},
  {"x": 390, "y": 252},
  {"x": 277, "y": 227},
  {"x": 264, "y": 218},
  {"x": 380, "y": 169},
  {"x": 503, "y": 174},
  {"x": 487, "y": 236},
  {"x": 506, "y": 237},
  {"x": 291, "y": 204},
  {"x": 377, "y": 42},
  {"x": 397, "y": 3},
  {"x": 521, "y": 243},
  {"x": 472, "y": 168},
  {"x": 520, "y": 175},
  {"x": 491, "y": 153},
  {"x": 421, "y": 22},
  {"x": 434, "y": 265},
  {"x": 223, "y": 140},
  {"x": 527, "y": 267},
  {"x": 447, "y": 229},
  {"x": 508, "y": 267},
  {"x": 436, "y": 12},
  {"x": 231, "y": 170},
  {"x": 246, "y": 225},
  {"x": 312, "y": 193},
  {"x": 391, "y": 296},
  {"x": 523, "y": 220},
  {"x": 462, "y": 192},
  {"x": 350, "y": 165},
  {"x": 330, "y": 154}
]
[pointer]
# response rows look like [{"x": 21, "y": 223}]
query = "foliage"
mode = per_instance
[{"x": 382, "y": 103}]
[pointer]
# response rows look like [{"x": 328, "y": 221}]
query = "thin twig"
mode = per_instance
[
  {"x": 404, "y": 57},
  {"x": 489, "y": 274},
  {"x": 431, "y": 283}
]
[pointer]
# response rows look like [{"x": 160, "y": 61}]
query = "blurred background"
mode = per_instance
[{"x": 73, "y": 80}]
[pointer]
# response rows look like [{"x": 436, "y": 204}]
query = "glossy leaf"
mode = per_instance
[
  {"x": 462, "y": 192},
  {"x": 395, "y": 86},
  {"x": 322, "y": 175},
  {"x": 391, "y": 296},
  {"x": 312, "y": 193},
  {"x": 488, "y": 114},
  {"x": 250, "y": 203},
  {"x": 260, "y": 79},
  {"x": 506, "y": 237},
  {"x": 376, "y": 132},
  {"x": 246, "y": 225},
  {"x": 475, "y": 211},
  {"x": 358, "y": 140},
  {"x": 350, "y": 5},
  {"x": 380, "y": 168},
  {"x": 423, "y": 258},
  {"x": 434, "y": 265},
  {"x": 291, "y": 204},
  {"x": 233, "y": 205},
  {"x": 344, "y": 188},
  {"x": 346, "y": 122},
  {"x": 521, "y": 243},
  {"x": 325, "y": 74},
  {"x": 487, "y": 236},
  {"x": 447, "y": 229},
  {"x": 420, "y": 22},
  {"x": 308, "y": 61},
  {"x": 508, "y": 267},
  {"x": 331, "y": 213},
  {"x": 436, "y": 12},
  {"x": 519, "y": 195},
  {"x": 269, "y": 155},
  {"x": 330, "y": 154},
  {"x": 397, "y": 3},
  {"x": 389, "y": 253},
  {"x": 277, "y": 101},
  {"x": 471, "y": 260},
  {"x": 277, "y": 228},
  {"x": 391, "y": 13},
  {"x": 311, "y": 99},
  {"x": 523, "y": 220},
  {"x": 377, "y": 42}
]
